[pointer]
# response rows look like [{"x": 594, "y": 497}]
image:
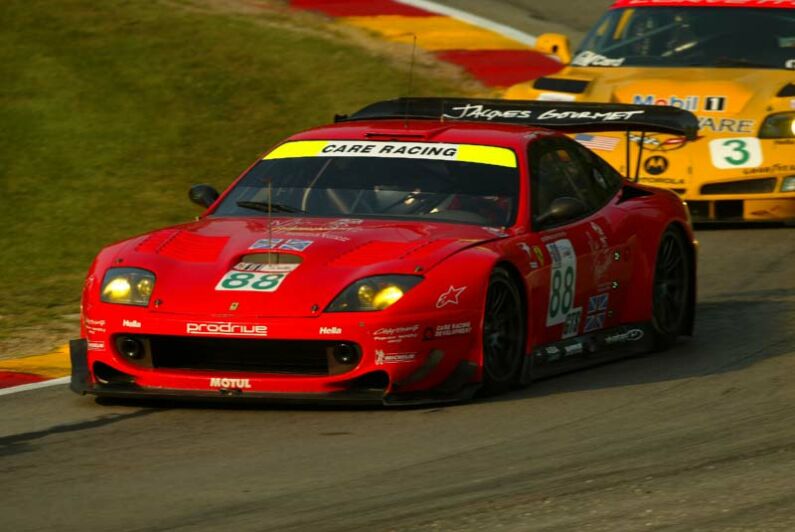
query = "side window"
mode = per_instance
[
  {"x": 548, "y": 179},
  {"x": 603, "y": 180}
]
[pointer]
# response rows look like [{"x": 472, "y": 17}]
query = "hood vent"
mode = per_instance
[
  {"x": 573, "y": 86},
  {"x": 788, "y": 90},
  {"x": 182, "y": 245}
]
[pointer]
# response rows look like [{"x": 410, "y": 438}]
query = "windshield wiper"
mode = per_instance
[{"x": 264, "y": 206}]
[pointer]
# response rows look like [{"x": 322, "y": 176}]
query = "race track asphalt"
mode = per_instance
[{"x": 701, "y": 437}]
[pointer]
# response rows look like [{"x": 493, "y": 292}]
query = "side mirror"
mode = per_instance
[
  {"x": 203, "y": 195},
  {"x": 555, "y": 44},
  {"x": 562, "y": 209}
]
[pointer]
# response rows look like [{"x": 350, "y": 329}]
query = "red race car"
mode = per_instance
[{"x": 415, "y": 251}]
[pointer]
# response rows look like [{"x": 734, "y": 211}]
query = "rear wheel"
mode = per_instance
[
  {"x": 503, "y": 333},
  {"x": 672, "y": 287}
]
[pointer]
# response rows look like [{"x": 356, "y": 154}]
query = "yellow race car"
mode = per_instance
[{"x": 731, "y": 62}]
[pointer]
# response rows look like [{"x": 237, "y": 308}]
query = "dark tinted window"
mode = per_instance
[{"x": 482, "y": 194}]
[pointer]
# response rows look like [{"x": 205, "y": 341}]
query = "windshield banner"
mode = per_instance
[{"x": 469, "y": 153}]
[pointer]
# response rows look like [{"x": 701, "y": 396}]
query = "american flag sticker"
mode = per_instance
[{"x": 597, "y": 142}]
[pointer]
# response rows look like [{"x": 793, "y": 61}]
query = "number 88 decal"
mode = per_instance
[
  {"x": 563, "y": 281},
  {"x": 253, "y": 282}
]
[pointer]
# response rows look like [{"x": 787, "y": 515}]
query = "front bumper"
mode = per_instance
[{"x": 400, "y": 362}]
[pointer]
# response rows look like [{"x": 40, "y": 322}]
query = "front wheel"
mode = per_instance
[
  {"x": 503, "y": 333},
  {"x": 672, "y": 288}
]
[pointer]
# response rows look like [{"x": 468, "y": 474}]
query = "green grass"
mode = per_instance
[{"x": 110, "y": 110}]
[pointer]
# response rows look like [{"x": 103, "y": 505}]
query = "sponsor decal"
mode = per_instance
[
  {"x": 572, "y": 324},
  {"x": 492, "y": 155},
  {"x": 773, "y": 168},
  {"x": 727, "y": 125},
  {"x": 656, "y": 165},
  {"x": 594, "y": 322},
  {"x": 553, "y": 353},
  {"x": 597, "y": 142},
  {"x": 132, "y": 324},
  {"x": 225, "y": 329},
  {"x": 563, "y": 280},
  {"x": 236, "y": 384},
  {"x": 632, "y": 335},
  {"x": 382, "y": 358},
  {"x": 689, "y": 103},
  {"x": 94, "y": 326},
  {"x": 555, "y": 97},
  {"x": 598, "y": 303},
  {"x": 330, "y": 330},
  {"x": 453, "y": 329},
  {"x": 94, "y": 345},
  {"x": 663, "y": 180},
  {"x": 450, "y": 297},
  {"x": 532, "y": 258},
  {"x": 652, "y": 143},
  {"x": 262, "y": 267},
  {"x": 573, "y": 349},
  {"x": 291, "y": 244},
  {"x": 715, "y": 103},
  {"x": 395, "y": 335},
  {"x": 480, "y": 111},
  {"x": 741, "y": 152},
  {"x": 539, "y": 255},
  {"x": 790, "y": 64},
  {"x": 588, "y": 58},
  {"x": 590, "y": 116}
]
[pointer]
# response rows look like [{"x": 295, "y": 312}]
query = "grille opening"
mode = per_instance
[
  {"x": 291, "y": 357},
  {"x": 729, "y": 210},
  {"x": 745, "y": 186},
  {"x": 699, "y": 209},
  {"x": 108, "y": 375}
]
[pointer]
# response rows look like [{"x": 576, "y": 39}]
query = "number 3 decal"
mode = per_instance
[
  {"x": 563, "y": 281},
  {"x": 743, "y": 152}
]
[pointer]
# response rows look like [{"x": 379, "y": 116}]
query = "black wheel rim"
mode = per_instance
[
  {"x": 502, "y": 331},
  {"x": 670, "y": 284}
]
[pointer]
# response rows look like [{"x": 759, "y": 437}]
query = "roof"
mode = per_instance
[{"x": 780, "y": 4}]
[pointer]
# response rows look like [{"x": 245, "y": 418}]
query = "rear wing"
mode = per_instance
[{"x": 563, "y": 116}]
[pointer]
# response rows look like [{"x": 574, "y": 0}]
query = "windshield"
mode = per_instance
[
  {"x": 404, "y": 180},
  {"x": 690, "y": 37}
]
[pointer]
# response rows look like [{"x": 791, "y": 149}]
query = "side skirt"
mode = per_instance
[{"x": 587, "y": 350}]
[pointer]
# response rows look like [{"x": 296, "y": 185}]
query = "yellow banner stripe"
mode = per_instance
[
  {"x": 487, "y": 155},
  {"x": 470, "y": 153},
  {"x": 301, "y": 148}
]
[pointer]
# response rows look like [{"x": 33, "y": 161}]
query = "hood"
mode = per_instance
[{"x": 190, "y": 260}]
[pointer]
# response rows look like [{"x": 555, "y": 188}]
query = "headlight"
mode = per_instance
[
  {"x": 778, "y": 126},
  {"x": 128, "y": 286},
  {"x": 788, "y": 185},
  {"x": 373, "y": 293}
]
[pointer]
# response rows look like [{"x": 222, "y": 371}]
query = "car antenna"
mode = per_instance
[
  {"x": 410, "y": 81},
  {"x": 270, "y": 227}
]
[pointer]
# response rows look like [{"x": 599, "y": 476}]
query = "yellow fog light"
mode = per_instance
[
  {"x": 145, "y": 287},
  {"x": 387, "y": 297},
  {"x": 366, "y": 294},
  {"x": 118, "y": 289}
]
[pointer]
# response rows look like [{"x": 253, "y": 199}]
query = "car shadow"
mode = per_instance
[{"x": 731, "y": 334}]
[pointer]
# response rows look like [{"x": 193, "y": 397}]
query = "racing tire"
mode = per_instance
[
  {"x": 671, "y": 290},
  {"x": 504, "y": 328}
]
